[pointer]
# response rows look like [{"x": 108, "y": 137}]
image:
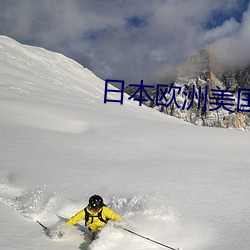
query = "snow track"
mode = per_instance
[
  {"x": 146, "y": 214},
  {"x": 32, "y": 204}
]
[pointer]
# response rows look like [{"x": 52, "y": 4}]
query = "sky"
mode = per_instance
[{"x": 131, "y": 40}]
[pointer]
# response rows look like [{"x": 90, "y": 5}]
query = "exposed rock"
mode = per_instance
[{"x": 197, "y": 78}]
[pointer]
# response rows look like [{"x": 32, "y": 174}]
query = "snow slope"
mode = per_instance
[{"x": 179, "y": 184}]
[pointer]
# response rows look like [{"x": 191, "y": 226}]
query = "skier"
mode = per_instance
[{"x": 95, "y": 214}]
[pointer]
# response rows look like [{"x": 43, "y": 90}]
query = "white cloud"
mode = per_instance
[
  {"x": 228, "y": 28},
  {"x": 97, "y": 33},
  {"x": 233, "y": 49}
]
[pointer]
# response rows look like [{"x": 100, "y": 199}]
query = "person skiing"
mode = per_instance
[{"x": 95, "y": 214}]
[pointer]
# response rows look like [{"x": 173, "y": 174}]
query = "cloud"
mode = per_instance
[
  {"x": 228, "y": 28},
  {"x": 232, "y": 50},
  {"x": 130, "y": 40}
]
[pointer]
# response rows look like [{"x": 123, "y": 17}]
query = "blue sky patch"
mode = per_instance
[
  {"x": 219, "y": 17},
  {"x": 136, "y": 21}
]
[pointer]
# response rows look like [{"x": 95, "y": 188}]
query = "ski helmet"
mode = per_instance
[{"x": 95, "y": 202}]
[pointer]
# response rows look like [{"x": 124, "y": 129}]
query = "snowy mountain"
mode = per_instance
[
  {"x": 197, "y": 78},
  {"x": 182, "y": 185}
]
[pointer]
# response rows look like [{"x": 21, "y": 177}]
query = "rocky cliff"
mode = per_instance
[{"x": 204, "y": 95}]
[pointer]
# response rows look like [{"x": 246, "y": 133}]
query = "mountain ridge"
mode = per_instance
[{"x": 199, "y": 73}]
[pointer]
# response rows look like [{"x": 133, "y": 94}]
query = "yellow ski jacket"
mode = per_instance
[{"x": 94, "y": 223}]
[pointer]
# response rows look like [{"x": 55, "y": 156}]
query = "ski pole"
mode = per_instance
[
  {"x": 45, "y": 228},
  {"x": 146, "y": 238}
]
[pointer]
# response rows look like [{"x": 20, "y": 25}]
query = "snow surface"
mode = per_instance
[{"x": 182, "y": 185}]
